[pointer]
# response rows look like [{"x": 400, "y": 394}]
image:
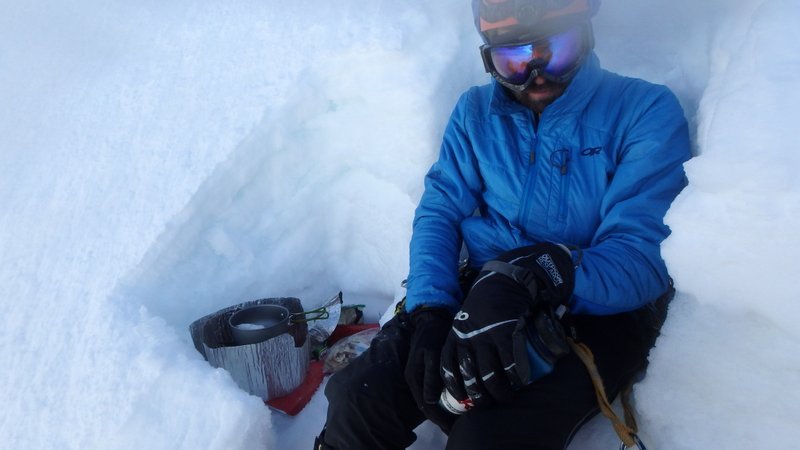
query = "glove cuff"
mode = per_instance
[
  {"x": 555, "y": 261},
  {"x": 545, "y": 270},
  {"x": 522, "y": 275}
]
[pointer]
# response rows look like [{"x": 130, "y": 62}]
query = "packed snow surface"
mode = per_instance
[{"x": 162, "y": 160}]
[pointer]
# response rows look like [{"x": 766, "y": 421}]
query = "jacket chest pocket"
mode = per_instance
[
  {"x": 564, "y": 201},
  {"x": 545, "y": 206}
]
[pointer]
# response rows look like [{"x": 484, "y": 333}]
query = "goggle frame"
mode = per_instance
[{"x": 538, "y": 68}]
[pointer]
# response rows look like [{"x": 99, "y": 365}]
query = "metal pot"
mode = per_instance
[{"x": 257, "y": 323}]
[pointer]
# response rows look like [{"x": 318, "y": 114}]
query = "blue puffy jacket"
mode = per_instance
[{"x": 597, "y": 173}]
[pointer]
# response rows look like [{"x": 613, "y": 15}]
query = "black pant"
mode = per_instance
[{"x": 371, "y": 407}]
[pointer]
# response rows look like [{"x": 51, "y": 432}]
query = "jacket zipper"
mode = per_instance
[
  {"x": 560, "y": 160},
  {"x": 531, "y": 179}
]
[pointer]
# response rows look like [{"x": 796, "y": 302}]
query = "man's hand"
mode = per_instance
[
  {"x": 430, "y": 328},
  {"x": 478, "y": 359}
]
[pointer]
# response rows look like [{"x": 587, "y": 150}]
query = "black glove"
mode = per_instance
[
  {"x": 430, "y": 328},
  {"x": 478, "y": 359},
  {"x": 550, "y": 266}
]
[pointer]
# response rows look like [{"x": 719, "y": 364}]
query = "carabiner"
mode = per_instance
[{"x": 636, "y": 441}]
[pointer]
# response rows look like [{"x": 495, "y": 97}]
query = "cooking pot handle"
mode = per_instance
[{"x": 320, "y": 313}]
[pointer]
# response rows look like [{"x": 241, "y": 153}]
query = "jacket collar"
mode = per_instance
[{"x": 574, "y": 98}]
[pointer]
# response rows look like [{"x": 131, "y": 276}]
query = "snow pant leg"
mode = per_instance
[
  {"x": 369, "y": 404},
  {"x": 546, "y": 414}
]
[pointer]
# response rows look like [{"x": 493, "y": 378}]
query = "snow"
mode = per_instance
[{"x": 162, "y": 160}]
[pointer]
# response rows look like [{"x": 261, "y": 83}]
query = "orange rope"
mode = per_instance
[{"x": 626, "y": 432}]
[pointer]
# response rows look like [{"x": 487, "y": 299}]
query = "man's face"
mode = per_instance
[{"x": 540, "y": 94}]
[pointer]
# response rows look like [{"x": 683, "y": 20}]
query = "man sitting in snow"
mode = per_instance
[{"x": 556, "y": 179}]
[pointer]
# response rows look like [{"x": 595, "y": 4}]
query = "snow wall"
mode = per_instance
[{"x": 160, "y": 161}]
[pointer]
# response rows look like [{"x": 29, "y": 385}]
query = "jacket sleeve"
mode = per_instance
[
  {"x": 623, "y": 270},
  {"x": 452, "y": 187}
]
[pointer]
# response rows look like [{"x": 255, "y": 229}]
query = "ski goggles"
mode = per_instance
[{"x": 556, "y": 58}]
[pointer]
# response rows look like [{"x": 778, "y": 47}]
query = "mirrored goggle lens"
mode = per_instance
[{"x": 558, "y": 54}]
